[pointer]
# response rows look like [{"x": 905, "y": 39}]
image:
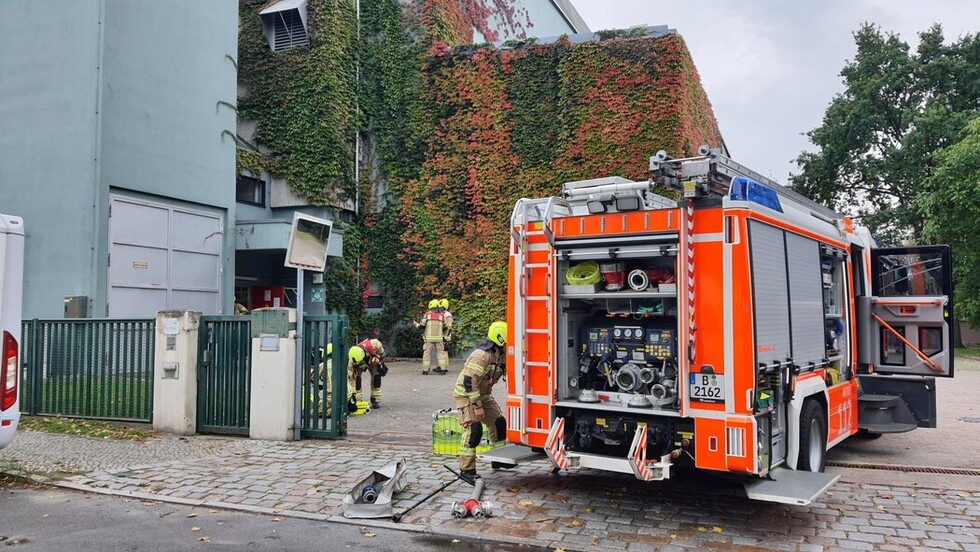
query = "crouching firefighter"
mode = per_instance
[
  {"x": 368, "y": 355},
  {"x": 474, "y": 398}
]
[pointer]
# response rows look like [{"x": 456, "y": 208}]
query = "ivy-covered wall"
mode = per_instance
[
  {"x": 454, "y": 134},
  {"x": 518, "y": 123},
  {"x": 304, "y": 99}
]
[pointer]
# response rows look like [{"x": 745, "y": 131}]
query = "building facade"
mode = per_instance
[{"x": 118, "y": 150}]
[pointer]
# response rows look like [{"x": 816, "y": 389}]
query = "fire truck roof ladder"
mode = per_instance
[{"x": 714, "y": 172}]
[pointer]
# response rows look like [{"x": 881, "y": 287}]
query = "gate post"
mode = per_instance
[
  {"x": 175, "y": 372},
  {"x": 272, "y": 397}
]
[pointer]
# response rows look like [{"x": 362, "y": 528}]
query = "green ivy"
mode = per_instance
[{"x": 304, "y": 99}]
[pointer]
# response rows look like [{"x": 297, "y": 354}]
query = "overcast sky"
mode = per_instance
[{"x": 772, "y": 67}]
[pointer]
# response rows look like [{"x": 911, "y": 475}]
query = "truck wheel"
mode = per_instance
[{"x": 813, "y": 437}]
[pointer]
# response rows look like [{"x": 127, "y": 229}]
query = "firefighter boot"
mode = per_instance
[
  {"x": 470, "y": 476},
  {"x": 375, "y": 403}
]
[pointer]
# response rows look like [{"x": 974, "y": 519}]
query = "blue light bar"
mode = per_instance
[{"x": 746, "y": 189}]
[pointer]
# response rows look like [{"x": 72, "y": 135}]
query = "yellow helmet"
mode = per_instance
[
  {"x": 444, "y": 304},
  {"x": 433, "y": 303},
  {"x": 356, "y": 354},
  {"x": 498, "y": 332}
]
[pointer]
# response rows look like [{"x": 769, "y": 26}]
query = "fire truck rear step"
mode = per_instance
[
  {"x": 511, "y": 455},
  {"x": 787, "y": 486}
]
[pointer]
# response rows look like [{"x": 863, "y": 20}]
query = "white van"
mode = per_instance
[{"x": 11, "y": 291}]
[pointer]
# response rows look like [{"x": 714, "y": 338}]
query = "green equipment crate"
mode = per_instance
[{"x": 447, "y": 433}]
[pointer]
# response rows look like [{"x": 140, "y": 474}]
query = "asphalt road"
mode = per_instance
[{"x": 46, "y": 519}]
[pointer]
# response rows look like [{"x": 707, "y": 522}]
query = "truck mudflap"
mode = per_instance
[
  {"x": 787, "y": 486},
  {"x": 635, "y": 463}
]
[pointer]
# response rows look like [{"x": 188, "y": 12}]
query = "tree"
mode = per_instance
[
  {"x": 878, "y": 138},
  {"x": 952, "y": 215}
]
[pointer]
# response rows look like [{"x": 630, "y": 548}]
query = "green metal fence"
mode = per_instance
[
  {"x": 324, "y": 403},
  {"x": 224, "y": 375},
  {"x": 88, "y": 368}
]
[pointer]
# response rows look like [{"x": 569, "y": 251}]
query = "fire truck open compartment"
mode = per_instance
[{"x": 619, "y": 340}]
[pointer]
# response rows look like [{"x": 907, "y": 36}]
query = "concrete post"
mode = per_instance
[
  {"x": 273, "y": 395},
  {"x": 175, "y": 372}
]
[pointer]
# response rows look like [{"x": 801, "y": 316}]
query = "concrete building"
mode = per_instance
[{"x": 118, "y": 150}]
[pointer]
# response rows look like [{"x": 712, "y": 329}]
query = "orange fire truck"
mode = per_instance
[{"x": 742, "y": 329}]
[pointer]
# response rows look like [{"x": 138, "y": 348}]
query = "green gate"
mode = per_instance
[
  {"x": 324, "y": 398},
  {"x": 224, "y": 375},
  {"x": 88, "y": 368}
]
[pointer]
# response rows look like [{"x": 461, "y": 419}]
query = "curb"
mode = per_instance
[{"x": 381, "y": 523}]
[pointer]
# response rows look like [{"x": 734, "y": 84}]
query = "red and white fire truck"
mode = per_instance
[{"x": 742, "y": 329}]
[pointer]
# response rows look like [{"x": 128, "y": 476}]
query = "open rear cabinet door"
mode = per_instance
[
  {"x": 904, "y": 337},
  {"x": 905, "y": 325}
]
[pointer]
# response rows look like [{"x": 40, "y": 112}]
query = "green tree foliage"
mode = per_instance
[
  {"x": 878, "y": 138},
  {"x": 952, "y": 215}
]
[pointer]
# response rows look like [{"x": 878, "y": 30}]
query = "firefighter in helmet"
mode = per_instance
[
  {"x": 366, "y": 356},
  {"x": 434, "y": 338},
  {"x": 447, "y": 328},
  {"x": 474, "y": 398},
  {"x": 324, "y": 374}
]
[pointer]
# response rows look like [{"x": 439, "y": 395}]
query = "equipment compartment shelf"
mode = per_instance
[{"x": 622, "y": 295}]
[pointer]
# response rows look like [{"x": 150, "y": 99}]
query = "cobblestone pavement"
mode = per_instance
[{"x": 579, "y": 511}]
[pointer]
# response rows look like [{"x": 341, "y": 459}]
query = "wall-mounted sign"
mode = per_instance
[
  {"x": 141, "y": 265},
  {"x": 171, "y": 326}
]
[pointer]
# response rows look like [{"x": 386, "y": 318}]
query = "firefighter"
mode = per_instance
[
  {"x": 474, "y": 397},
  {"x": 447, "y": 327},
  {"x": 434, "y": 339},
  {"x": 368, "y": 355},
  {"x": 325, "y": 372}
]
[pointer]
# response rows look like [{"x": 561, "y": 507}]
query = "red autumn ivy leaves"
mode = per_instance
[{"x": 605, "y": 107}]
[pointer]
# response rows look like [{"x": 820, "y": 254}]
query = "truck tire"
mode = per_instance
[{"x": 813, "y": 437}]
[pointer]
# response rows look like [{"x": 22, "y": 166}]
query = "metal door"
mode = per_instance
[
  {"x": 162, "y": 257},
  {"x": 224, "y": 375},
  {"x": 904, "y": 326}
]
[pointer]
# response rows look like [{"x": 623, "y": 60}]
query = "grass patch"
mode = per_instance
[
  {"x": 88, "y": 428},
  {"x": 971, "y": 352}
]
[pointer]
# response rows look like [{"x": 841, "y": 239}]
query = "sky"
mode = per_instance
[{"x": 771, "y": 67}]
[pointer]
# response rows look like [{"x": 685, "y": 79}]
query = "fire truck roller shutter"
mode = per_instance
[
  {"x": 770, "y": 299},
  {"x": 806, "y": 300}
]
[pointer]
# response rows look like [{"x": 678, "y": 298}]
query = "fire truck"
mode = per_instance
[{"x": 742, "y": 329}]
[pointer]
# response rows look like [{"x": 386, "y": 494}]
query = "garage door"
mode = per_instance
[{"x": 162, "y": 257}]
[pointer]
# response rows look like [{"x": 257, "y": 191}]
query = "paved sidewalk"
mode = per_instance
[{"x": 579, "y": 511}]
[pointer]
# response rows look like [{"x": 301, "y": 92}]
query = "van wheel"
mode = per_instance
[{"x": 813, "y": 437}]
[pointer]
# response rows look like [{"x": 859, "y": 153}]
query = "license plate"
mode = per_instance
[{"x": 709, "y": 388}]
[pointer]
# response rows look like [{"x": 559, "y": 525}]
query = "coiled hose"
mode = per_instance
[{"x": 583, "y": 274}]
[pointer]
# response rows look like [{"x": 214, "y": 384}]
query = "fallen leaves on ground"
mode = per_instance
[
  {"x": 526, "y": 502},
  {"x": 192, "y": 515},
  {"x": 576, "y": 523}
]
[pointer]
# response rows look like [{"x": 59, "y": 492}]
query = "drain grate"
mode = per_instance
[{"x": 907, "y": 469}]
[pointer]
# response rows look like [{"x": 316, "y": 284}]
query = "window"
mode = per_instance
[
  {"x": 375, "y": 302},
  {"x": 250, "y": 190},
  {"x": 892, "y": 347},
  {"x": 911, "y": 273},
  {"x": 284, "y": 24}
]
